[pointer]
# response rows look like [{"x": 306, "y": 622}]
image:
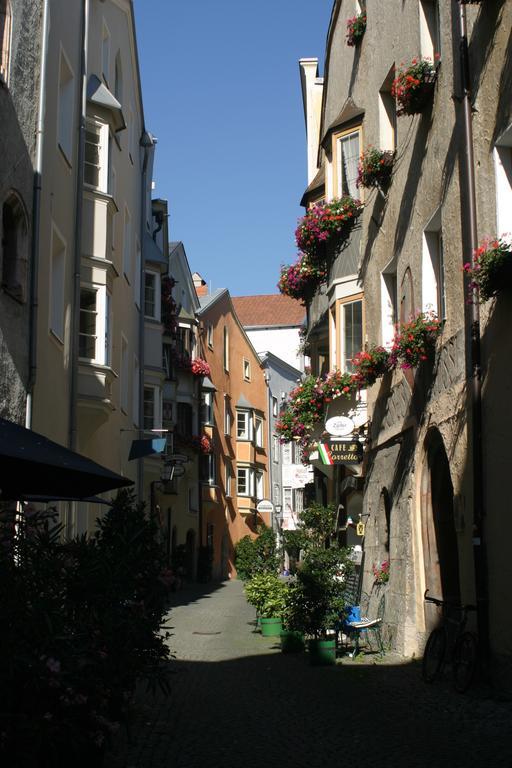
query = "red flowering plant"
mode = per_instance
[
  {"x": 375, "y": 167},
  {"x": 381, "y": 572},
  {"x": 325, "y": 221},
  {"x": 200, "y": 367},
  {"x": 300, "y": 280},
  {"x": 414, "y": 341},
  {"x": 413, "y": 85},
  {"x": 356, "y": 27},
  {"x": 369, "y": 365},
  {"x": 491, "y": 271},
  {"x": 169, "y": 314}
]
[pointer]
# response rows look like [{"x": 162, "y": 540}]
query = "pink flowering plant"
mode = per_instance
[
  {"x": 413, "y": 85},
  {"x": 491, "y": 271},
  {"x": 300, "y": 280},
  {"x": 375, "y": 168},
  {"x": 381, "y": 572},
  {"x": 414, "y": 341},
  {"x": 325, "y": 221},
  {"x": 356, "y": 27},
  {"x": 370, "y": 364},
  {"x": 200, "y": 367}
]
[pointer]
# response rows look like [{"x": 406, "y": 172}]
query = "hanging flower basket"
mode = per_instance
[
  {"x": 414, "y": 86},
  {"x": 492, "y": 268},
  {"x": 356, "y": 27},
  {"x": 375, "y": 168},
  {"x": 325, "y": 222},
  {"x": 301, "y": 280},
  {"x": 415, "y": 341},
  {"x": 370, "y": 364},
  {"x": 199, "y": 367}
]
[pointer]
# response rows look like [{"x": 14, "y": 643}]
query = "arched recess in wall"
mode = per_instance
[
  {"x": 14, "y": 253},
  {"x": 439, "y": 538}
]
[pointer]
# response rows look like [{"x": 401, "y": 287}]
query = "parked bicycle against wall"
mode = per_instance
[{"x": 451, "y": 642}]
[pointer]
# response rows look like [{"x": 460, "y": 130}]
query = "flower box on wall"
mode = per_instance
[
  {"x": 325, "y": 223},
  {"x": 375, "y": 168},
  {"x": 301, "y": 280},
  {"x": 356, "y": 28},
  {"x": 414, "y": 86},
  {"x": 491, "y": 271}
]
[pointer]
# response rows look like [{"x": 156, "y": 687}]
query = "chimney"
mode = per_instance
[{"x": 200, "y": 285}]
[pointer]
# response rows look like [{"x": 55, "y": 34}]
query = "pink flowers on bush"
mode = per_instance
[{"x": 200, "y": 367}]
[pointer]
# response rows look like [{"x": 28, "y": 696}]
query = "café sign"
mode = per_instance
[
  {"x": 341, "y": 452},
  {"x": 339, "y": 426}
]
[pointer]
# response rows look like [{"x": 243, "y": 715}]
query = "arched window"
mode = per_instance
[
  {"x": 406, "y": 297},
  {"x": 14, "y": 253},
  {"x": 5, "y": 38}
]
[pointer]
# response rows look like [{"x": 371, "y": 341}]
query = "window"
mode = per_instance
[
  {"x": 207, "y": 407},
  {"x": 58, "y": 265},
  {"x": 433, "y": 285},
  {"x": 151, "y": 295},
  {"x": 387, "y": 114},
  {"x": 406, "y": 297},
  {"x": 151, "y": 408},
  {"x": 247, "y": 370},
  {"x": 136, "y": 282},
  {"x": 108, "y": 329},
  {"x": 348, "y": 153},
  {"x": 5, "y": 39},
  {"x": 287, "y": 453},
  {"x": 287, "y": 500},
  {"x": 229, "y": 478},
  {"x": 259, "y": 485},
  {"x": 14, "y": 247},
  {"x": 275, "y": 448},
  {"x": 105, "y": 53},
  {"x": 227, "y": 416},
  {"x": 96, "y": 168},
  {"x": 429, "y": 29},
  {"x": 299, "y": 501},
  {"x": 226, "y": 349},
  {"x": 184, "y": 419},
  {"x": 351, "y": 332},
  {"x": 258, "y": 432},
  {"x": 389, "y": 310},
  {"x": 136, "y": 390},
  {"x": 243, "y": 425},
  {"x": 88, "y": 323},
  {"x": 124, "y": 383},
  {"x": 127, "y": 244},
  {"x": 275, "y": 409},
  {"x": 244, "y": 481},
  {"x": 503, "y": 166},
  {"x": 66, "y": 107},
  {"x": 208, "y": 469},
  {"x": 277, "y": 494},
  {"x": 209, "y": 335}
]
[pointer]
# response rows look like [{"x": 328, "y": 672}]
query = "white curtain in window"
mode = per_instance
[{"x": 349, "y": 158}]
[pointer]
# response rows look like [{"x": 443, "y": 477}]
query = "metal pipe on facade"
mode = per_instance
[
  {"x": 75, "y": 308},
  {"x": 474, "y": 355},
  {"x": 36, "y": 221}
]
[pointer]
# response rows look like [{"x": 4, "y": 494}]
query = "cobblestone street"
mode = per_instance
[{"x": 237, "y": 702}]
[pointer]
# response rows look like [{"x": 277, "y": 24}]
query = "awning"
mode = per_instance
[
  {"x": 32, "y": 465},
  {"x": 98, "y": 93},
  {"x": 147, "y": 447}
]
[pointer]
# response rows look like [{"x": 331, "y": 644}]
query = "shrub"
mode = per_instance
[
  {"x": 256, "y": 555},
  {"x": 266, "y": 592}
]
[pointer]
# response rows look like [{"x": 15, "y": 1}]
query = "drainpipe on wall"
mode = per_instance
[
  {"x": 474, "y": 357},
  {"x": 75, "y": 307},
  {"x": 36, "y": 221}
]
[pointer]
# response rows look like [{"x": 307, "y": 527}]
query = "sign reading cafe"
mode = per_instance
[{"x": 341, "y": 452}]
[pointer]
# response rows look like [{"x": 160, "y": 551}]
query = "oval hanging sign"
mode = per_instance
[{"x": 339, "y": 426}]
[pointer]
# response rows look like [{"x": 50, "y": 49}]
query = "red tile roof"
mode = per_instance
[{"x": 268, "y": 310}]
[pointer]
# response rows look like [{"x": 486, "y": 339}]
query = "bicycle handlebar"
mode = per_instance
[{"x": 444, "y": 603}]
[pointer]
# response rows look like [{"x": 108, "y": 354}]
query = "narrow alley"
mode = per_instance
[{"x": 237, "y": 701}]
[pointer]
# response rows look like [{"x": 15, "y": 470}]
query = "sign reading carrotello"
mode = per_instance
[{"x": 341, "y": 452}]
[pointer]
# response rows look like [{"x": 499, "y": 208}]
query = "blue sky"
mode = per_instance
[{"x": 221, "y": 92}]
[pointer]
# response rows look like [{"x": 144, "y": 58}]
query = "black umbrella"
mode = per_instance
[{"x": 33, "y": 465}]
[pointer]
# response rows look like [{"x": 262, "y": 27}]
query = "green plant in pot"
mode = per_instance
[{"x": 266, "y": 592}]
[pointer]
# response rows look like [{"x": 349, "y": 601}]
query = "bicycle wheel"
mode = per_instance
[
  {"x": 433, "y": 655},
  {"x": 465, "y": 657}
]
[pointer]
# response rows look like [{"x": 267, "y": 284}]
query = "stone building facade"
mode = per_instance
[{"x": 407, "y": 257}]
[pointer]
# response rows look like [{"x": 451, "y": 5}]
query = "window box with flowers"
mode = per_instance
[
  {"x": 375, "y": 168},
  {"x": 414, "y": 342},
  {"x": 369, "y": 365},
  {"x": 301, "y": 280},
  {"x": 325, "y": 223},
  {"x": 491, "y": 271},
  {"x": 356, "y": 27},
  {"x": 414, "y": 86},
  {"x": 381, "y": 572}
]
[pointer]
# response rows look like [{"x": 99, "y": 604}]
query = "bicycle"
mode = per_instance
[{"x": 451, "y": 635}]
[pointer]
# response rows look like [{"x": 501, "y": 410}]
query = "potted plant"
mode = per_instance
[
  {"x": 199, "y": 367},
  {"x": 325, "y": 222},
  {"x": 375, "y": 167},
  {"x": 266, "y": 592},
  {"x": 370, "y": 364},
  {"x": 414, "y": 341},
  {"x": 492, "y": 268},
  {"x": 356, "y": 27},
  {"x": 413, "y": 86},
  {"x": 301, "y": 280}
]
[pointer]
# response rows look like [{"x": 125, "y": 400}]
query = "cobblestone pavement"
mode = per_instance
[{"x": 237, "y": 702}]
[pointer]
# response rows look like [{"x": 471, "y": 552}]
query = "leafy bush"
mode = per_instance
[
  {"x": 266, "y": 592},
  {"x": 256, "y": 555},
  {"x": 82, "y": 621},
  {"x": 317, "y": 524}
]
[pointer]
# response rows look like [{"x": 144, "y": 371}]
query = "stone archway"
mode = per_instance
[{"x": 440, "y": 546}]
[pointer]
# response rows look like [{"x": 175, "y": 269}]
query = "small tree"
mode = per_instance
[
  {"x": 317, "y": 523},
  {"x": 257, "y": 555}
]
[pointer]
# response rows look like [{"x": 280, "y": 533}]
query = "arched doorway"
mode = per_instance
[{"x": 440, "y": 548}]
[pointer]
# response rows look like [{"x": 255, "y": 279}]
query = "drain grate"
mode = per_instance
[{"x": 206, "y": 633}]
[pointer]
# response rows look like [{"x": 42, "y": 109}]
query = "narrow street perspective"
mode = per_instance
[{"x": 238, "y": 701}]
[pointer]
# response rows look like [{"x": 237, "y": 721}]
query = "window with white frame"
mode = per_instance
[
  {"x": 503, "y": 168},
  {"x": 88, "y": 334},
  {"x": 208, "y": 468},
  {"x": 229, "y": 479},
  {"x": 429, "y": 29},
  {"x": 351, "y": 332},
  {"x": 108, "y": 328},
  {"x": 136, "y": 390},
  {"x": 5, "y": 39},
  {"x": 207, "y": 407},
  {"x": 389, "y": 302},
  {"x": 151, "y": 408},
  {"x": 127, "y": 245},
  {"x": 432, "y": 282},
  {"x": 287, "y": 457},
  {"x": 387, "y": 114},
  {"x": 125, "y": 379},
  {"x": 226, "y": 349},
  {"x": 299, "y": 501},
  {"x": 243, "y": 425},
  {"x": 152, "y": 295},
  {"x": 96, "y": 163},
  {"x": 246, "y": 369},
  {"x": 227, "y": 416},
  {"x": 276, "y": 494},
  {"x": 275, "y": 408},
  {"x": 287, "y": 500},
  {"x": 66, "y": 107},
  {"x": 58, "y": 266},
  {"x": 258, "y": 475},
  {"x": 275, "y": 448},
  {"x": 347, "y": 154},
  {"x": 105, "y": 53},
  {"x": 209, "y": 335},
  {"x": 244, "y": 481},
  {"x": 258, "y": 432}
]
